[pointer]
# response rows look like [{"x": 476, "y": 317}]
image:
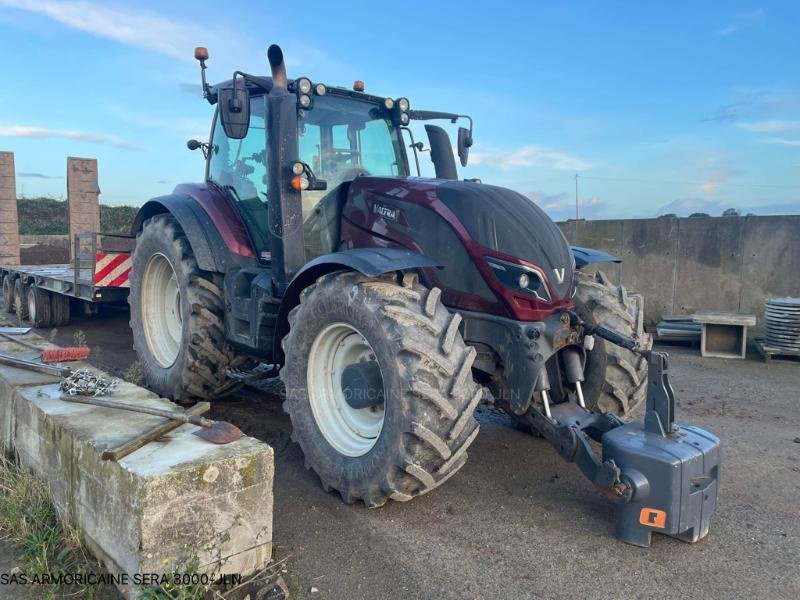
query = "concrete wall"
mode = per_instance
[{"x": 706, "y": 263}]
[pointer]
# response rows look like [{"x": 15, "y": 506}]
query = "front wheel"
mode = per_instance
[{"x": 378, "y": 386}]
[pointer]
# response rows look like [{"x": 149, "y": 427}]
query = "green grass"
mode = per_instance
[{"x": 43, "y": 542}]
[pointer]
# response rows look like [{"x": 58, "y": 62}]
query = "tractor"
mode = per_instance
[{"x": 391, "y": 305}]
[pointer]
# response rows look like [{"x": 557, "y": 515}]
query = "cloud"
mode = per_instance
[
  {"x": 140, "y": 28},
  {"x": 771, "y": 126},
  {"x": 725, "y": 114},
  {"x": 38, "y": 176},
  {"x": 562, "y": 205},
  {"x": 713, "y": 171},
  {"x": 683, "y": 207},
  {"x": 172, "y": 37},
  {"x": 531, "y": 156},
  {"x": 24, "y": 131},
  {"x": 742, "y": 21},
  {"x": 783, "y": 141}
]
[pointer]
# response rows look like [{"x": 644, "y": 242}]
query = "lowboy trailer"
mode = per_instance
[{"x": 98, "y": 274}]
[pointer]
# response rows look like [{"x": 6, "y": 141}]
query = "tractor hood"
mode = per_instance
[
  {"x": 506, "y": 221},
  {"x": 460, "y": 224}
]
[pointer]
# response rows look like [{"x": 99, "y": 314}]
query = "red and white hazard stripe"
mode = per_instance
[{"x": 112, "y": 269}]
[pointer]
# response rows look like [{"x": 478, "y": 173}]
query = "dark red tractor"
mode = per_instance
[{"x": 392, "y": 305}]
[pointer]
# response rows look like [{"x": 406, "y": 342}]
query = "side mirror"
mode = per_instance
[
  {"x": 234, "y": 111},
  {"x": 464, "y": 143}
]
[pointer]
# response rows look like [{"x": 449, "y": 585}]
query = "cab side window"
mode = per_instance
[{"x": 240, "y": 168}]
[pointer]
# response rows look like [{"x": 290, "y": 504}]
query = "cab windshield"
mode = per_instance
[{"x": 341, "y": 138}]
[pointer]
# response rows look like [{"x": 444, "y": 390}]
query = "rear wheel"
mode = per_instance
[
  {"x": 39, "y": 306},
  {"x": 616, "y": 378},
  {"x": 59, "y": 310},
  {"x": 378, "y": 387},
  {"x": 177, "y": 315},
  {"x": 20, "y": 298},
  {"x": 8, "y": 293}
]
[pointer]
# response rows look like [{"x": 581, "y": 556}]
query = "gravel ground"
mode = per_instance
[{"x": 519, "y": 522}]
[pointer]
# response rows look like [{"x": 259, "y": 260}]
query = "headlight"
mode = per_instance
[
  {"x": 519, "y": 278},
  {"x": 388, "y": 103},
  {"x": 320, "y": 89},
  {"x": 304, "y": 85},
  {"x": 404, "y": 118},
  {"x": 304, "y": 101},
  {"x": 402, "y": 103}
]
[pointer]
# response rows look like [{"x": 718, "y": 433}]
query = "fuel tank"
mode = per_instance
[{"x": 463, "y": 225}]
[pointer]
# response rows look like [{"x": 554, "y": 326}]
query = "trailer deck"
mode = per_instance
[{"x": 98, "y": 273}]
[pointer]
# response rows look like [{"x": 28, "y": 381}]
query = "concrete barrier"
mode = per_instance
[
  {"x": 177, "y": 500},
  {"x": 685, "y": 265}
]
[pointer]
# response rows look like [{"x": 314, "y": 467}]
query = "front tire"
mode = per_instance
[
  {"x": 616, "y": 378},
  {"x": 177, "y": 316},
  {"x": 418, "y": 437}
]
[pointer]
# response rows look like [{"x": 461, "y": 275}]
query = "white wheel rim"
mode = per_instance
[
  {"x": 161, "y": 310},
  {"x": 351, "y": 431}
]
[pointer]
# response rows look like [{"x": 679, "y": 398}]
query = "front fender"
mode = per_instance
[
  {"x": 371, "y": 262},
  {"x": 588, "y": 256}
]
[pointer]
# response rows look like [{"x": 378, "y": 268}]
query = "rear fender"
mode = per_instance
[
  {"x": 210, "y": 250},
  {"x": 371, "y": 262}
]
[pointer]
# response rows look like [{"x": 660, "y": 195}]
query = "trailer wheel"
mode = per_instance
[
  {"x": 20, "y": 297},
  {"x": 177, "y": 315},
  {"x": 616, "y": 378},
  {"x": 8, "y": 293},
  {"x": 59, "y": 310},
  {"x": 378, "y": 387},
  {"x": 39, "y": 306}
]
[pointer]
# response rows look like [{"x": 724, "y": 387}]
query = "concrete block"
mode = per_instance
[
  {"x": 83, "y": 195},
  {"x": 9, "y": 241},
  {"x": 180, "y": 499}
]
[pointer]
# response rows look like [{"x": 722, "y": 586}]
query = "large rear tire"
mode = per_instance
[
  {"x": 616, "y": 378},
  {"x": 20, "y": 298},
  {"x": 39, "y": 306},
  {"x": 177, "y": 315},
  {"x": 8, "y": 293},
  {"x": 417, "y": 437}
]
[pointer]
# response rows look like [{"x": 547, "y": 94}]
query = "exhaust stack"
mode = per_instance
[{"x": 275, "y": 57}]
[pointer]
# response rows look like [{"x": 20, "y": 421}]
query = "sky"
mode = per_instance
[{"x": 657, "y": 107}]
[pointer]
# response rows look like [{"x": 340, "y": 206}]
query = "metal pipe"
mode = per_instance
[
  {"x": 579, "y": 390},
  {"x": 277, "y": 66},
  {"x": 546, "y": 404}
]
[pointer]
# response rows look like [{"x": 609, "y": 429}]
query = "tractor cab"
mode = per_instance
[{"x": 286, "y": 151}]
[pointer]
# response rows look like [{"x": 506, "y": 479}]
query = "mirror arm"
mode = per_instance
[{"x": 413, "y": 145}]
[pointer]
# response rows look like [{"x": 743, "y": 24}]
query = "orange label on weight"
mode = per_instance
[{"x": 652, "y": 517}]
